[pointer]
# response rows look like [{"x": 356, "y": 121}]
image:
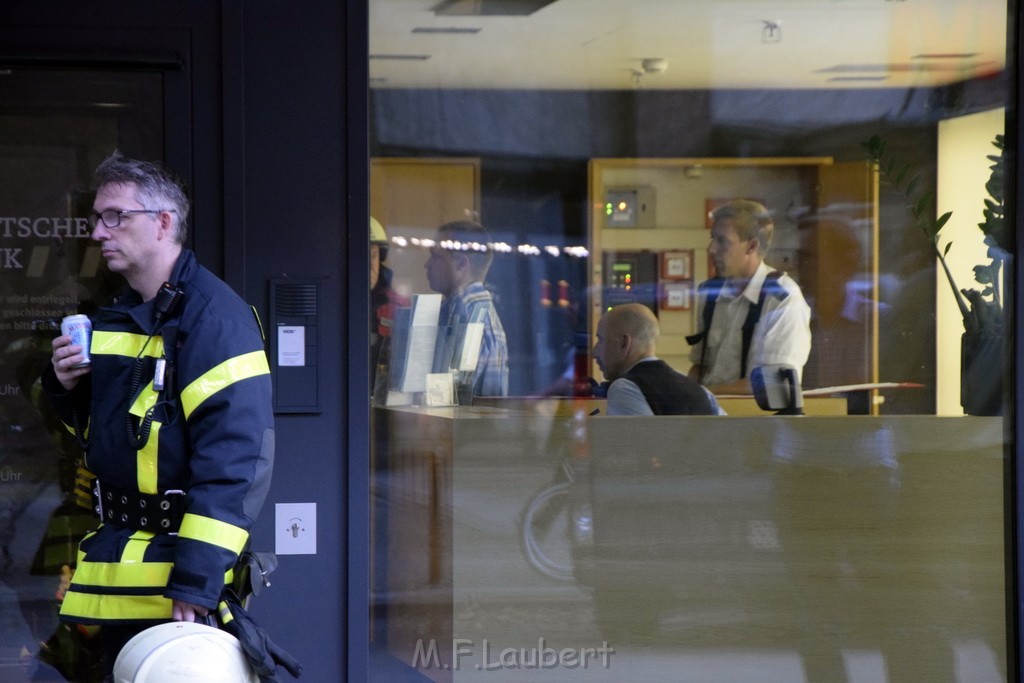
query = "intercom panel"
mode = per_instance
[{"x": 295, "y": 308}]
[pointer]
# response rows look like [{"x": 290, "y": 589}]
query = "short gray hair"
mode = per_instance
[
  {"x": 750, "y": 219},
  {"x": 155, "y": 187}
]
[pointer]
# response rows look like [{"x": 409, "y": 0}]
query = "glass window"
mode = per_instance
[
  {"x": 55, "y": 126},
  {"x": 688, "y": 321}
]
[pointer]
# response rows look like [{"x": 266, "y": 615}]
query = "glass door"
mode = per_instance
[{"x": 55, "y": 128}]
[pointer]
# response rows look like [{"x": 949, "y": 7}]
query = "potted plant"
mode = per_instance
[{"x": 983, "y": 352}]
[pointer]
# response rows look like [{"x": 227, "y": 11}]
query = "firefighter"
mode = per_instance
[
  {"x": 174, "y": 414},
  {"x": 383, "y": 298}
]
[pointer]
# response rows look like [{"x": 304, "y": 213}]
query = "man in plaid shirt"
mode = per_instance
[{"x": 456, "y": 268}]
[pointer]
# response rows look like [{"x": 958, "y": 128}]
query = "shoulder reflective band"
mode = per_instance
[{"x": 224, "y": 375}]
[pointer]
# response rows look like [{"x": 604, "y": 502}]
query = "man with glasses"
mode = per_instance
[
  {"x": 750, "y": 314},
  {"x": 174, "y": 413}
]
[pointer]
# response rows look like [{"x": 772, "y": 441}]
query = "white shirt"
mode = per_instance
[{"x": 781, "y": 336}]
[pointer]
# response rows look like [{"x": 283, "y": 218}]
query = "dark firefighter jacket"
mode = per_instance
[{"x": 211, "y": 436}]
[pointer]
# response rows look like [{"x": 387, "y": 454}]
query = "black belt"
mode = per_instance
[{"x": 160, "y": 513}]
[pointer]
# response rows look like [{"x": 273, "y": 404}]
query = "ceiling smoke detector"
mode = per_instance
[{"x": 772, "y": 31}]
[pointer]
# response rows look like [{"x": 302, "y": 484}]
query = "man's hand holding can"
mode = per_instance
[{"x": 71, "y": 357}]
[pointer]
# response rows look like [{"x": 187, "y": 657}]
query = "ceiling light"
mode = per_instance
[
  {"x": 654, "y": 65},
  {"x": 406, "y": 57},
  {"x": 947, "y": 55},
  {"x": 445, "y": 29},
  {"x": 489, "y": 8}
]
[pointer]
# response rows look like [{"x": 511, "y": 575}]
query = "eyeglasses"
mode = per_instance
[{"x": 112, "y": 217}]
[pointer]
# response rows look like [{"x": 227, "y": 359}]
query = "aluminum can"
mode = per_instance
[{"x": 79, "y": 328}]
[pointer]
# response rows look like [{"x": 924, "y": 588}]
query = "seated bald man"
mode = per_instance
[{"x": 641, "y": 383}]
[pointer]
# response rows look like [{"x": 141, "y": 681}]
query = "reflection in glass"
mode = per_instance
[
  {"x": 56, "y": 126},
  {"x": 592, "y": 139}
]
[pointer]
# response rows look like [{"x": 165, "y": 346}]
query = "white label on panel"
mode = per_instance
[{"x": 291, "y": 346}]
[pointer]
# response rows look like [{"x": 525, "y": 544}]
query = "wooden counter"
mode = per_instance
[{"x": 813, "y": 535}]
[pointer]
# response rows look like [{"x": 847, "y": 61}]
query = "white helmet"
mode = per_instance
[{"x": 183, "y": 651}]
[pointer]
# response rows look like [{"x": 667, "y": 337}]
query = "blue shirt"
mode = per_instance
[{"x": 471, "y": 303}]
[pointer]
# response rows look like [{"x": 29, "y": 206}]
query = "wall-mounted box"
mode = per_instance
[
  {"x": 629, "y": 207},
  {"x": 295, "y": 344}
]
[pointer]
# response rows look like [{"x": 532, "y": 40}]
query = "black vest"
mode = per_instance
[{"x": 667, "y": 391}]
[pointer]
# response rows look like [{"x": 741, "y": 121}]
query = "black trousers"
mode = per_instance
[{"x": 113, "y": 638}]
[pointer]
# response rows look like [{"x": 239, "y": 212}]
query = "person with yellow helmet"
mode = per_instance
[{"x": 383, "y": 298}]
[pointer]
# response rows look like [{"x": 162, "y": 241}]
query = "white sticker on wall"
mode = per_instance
[{"x": 291, "y": 346}]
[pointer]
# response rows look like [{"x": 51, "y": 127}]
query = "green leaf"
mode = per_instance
[
  {"x": 874, "y": 147},
  {"x": 913, "y": 184},
  {"x": 948, "y": 247},
  {"x": 923, "y": 202},
  {"x": 942, "y": 220},
  {"x": 902, "y": 174}
]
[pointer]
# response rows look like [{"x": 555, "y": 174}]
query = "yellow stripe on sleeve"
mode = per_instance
[{"x": 213, "y": 531}]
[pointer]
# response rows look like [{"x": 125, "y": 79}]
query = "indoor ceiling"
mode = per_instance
[{"x": 701, "y": 44}]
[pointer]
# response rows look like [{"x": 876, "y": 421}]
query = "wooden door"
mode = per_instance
[
  {"x": 839, "y": 276},
  {"x": 411, "y": 197}
]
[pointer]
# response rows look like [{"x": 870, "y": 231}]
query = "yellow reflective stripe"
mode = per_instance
[
  {"x": 84, "y": 477},
  {"x": 125, "y": 344},
  {"x": 80, "y": 555},
  {"x": 132, "y": 607},
  {"x": 224, "y": 375},
  {"x": 259, "y": 323},
  {"x": 224, "y": 613},
  {"x": 83, "y": 499},
  {"x": 71, "y": 430},
  {"x": 213, "y": 531},
  {"x": 146, "y": 399},
  {"x": 122, "y": 574},
  {"x": 146, "y": 461},
  {"x": 136, "y": 547}
]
